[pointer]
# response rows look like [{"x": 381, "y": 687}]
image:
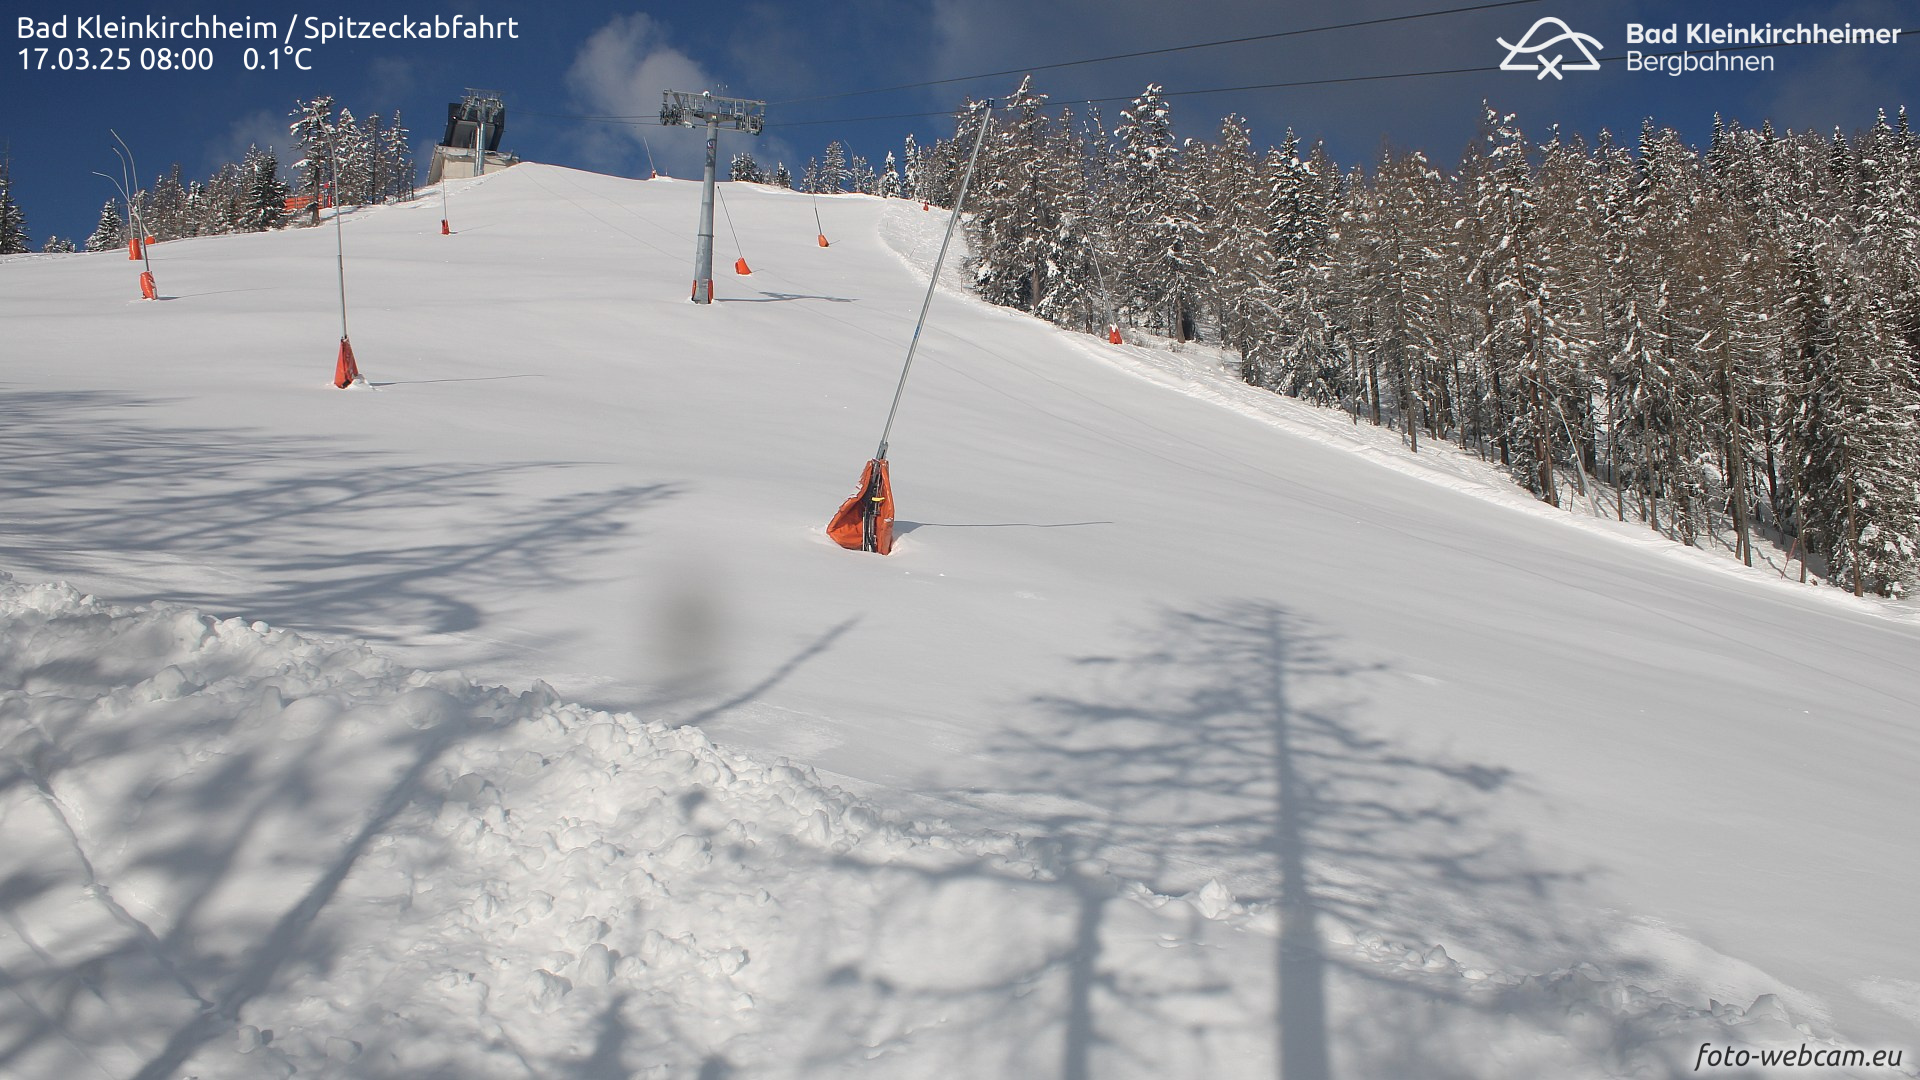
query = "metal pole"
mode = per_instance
[
  {"x": 339, "y": 233},
  {"x": 121, "y": 188},
  {"x": 146, "y": 260},
  {"x": 959, "y": 200},
  {"x": 126, "y": 185},
  {"x": 703, "y": 249},
  {"x": 480, "y": 148}
]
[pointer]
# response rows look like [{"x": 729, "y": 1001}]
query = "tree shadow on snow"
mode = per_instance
[
  {"x": 174, "y": 968},
  {"x": 477, "y": 378},
  {"x": 312, "y": 537},
  {"x": 1231, "y": 761},
  {"x": 781, "y": 298},
  {"x": 902, "y": 528},
  {"x": 222, "y": 876}
]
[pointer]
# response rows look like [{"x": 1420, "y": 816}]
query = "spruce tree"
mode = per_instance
[
  {"x": 111, "y": 231},
  {"x": 265, "y": 198},
  {"x": 1156, "y": 217},
  {"x": 861, "y": 177},
  {"x": 1237, "y": 244},
  {"x": 13, "y": 220},
  {"x": 1073, "y": 292},
  {"x": 832, "y": 175},
  {"x": 311, "y": 130},
  {"x": 1011, "y": 207},
  {"x": 1852, "y": 442},
  {"x": 399, "y": 159},
  {"x": 911, "y": 179}
]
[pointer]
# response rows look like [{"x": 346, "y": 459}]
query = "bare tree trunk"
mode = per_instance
[
  {"x": 1736, "y": 461},
  {"x": 1649, "y": 494},
  {"x": 1853, "y": 540}
]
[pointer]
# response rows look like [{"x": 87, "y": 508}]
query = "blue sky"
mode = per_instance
[{"x": 584, "y": 59}]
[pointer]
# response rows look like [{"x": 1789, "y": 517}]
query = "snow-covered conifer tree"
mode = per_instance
[
  {"x": 1853, "y": 445},
  {"x": 1156, "y": 217},
  {"x": 399, "y": 159},
  {"x": 13, "y": 220},
  {"x": 910, "y": 180},
  {"x": 1073, "y": 293},
  {"x": 264, "y": 200},
  {"x": 862, "y": 178},
  {"x": 832, "y": 175},
  {"x": 311, "y": 128},
  {"x": 1011, "y": 207},
  {"x": 111, "y": 231},
  {"x": 1238, "y": 251},
  {"x": 354, "y": 165}
]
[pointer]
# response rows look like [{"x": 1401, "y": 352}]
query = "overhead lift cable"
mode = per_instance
[
  {"x": 1276, "y": 35},
  {"x": 1910, "y": 34}
]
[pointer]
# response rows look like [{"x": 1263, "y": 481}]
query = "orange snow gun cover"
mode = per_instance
[
  {"x": 866, "y": 518},
  {"x": 345, "y": 370}
]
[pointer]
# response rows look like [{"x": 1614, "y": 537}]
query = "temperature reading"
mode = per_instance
[{"x": 256, "y": 60}]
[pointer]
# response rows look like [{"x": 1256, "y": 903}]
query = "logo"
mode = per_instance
[{"x": 1549, "y": 65}]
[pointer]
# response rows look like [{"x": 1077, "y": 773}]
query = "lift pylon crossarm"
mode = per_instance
[{"x": 682, "y": 108}]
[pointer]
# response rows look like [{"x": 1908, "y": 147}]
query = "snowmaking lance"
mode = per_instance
[
  {"x": 865, "y": 521},
  {"x": 139, "y": 243},
  {"x": 346, "y": 369}
]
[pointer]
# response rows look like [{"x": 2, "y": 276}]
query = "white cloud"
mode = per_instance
[
  {"x": 263, "y": 128},
  {"x": 621, "y": 70}
]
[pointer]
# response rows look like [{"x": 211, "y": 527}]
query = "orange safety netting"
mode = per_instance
[{"x": 865, "y": 521}]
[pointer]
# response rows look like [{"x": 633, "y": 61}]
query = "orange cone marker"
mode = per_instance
[
  {"x": 147, "y": 288},
  {"x": 740, "y": 267}
]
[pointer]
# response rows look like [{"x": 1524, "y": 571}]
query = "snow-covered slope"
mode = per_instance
[{"x": 1174, "y": 634}]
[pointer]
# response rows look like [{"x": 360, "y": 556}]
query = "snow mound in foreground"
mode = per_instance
[{"x": 234, "y": 851}]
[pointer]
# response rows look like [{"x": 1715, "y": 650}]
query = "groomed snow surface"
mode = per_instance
[{"x": 1179, "y": 738}]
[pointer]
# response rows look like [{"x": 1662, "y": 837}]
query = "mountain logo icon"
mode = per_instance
[{"x": 1535, "y": 51}]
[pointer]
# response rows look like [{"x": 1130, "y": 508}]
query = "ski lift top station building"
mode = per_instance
[{"x": 471, "y": 144}]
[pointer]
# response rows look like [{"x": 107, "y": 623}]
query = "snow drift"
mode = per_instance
[{"x": 242, "y": 852}]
